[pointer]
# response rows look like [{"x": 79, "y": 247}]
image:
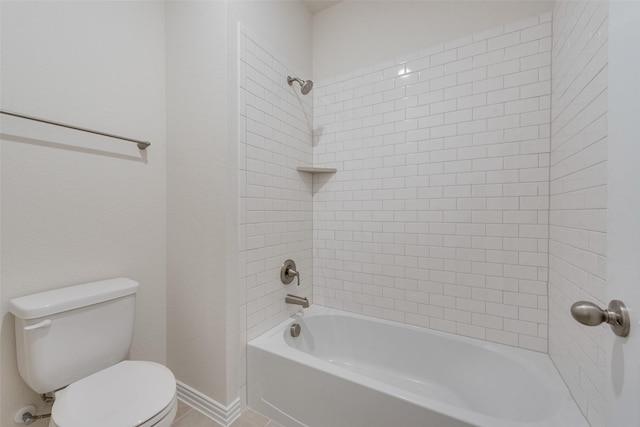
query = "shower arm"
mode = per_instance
[{"x": 290, "y": 80}]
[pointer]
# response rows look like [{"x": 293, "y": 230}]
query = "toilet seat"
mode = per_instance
[{"x": 128, "y": 394}]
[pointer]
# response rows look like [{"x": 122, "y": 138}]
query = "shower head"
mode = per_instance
[{"x": 305, "y": 85}]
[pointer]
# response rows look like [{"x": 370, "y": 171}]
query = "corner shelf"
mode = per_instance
[{"x": 314, "y": 171}]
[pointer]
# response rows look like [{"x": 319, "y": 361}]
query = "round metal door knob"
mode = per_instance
[{"x": 616, "y": 315}]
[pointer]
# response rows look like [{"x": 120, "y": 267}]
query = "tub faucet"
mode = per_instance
[{"x": 292, "y": 299}]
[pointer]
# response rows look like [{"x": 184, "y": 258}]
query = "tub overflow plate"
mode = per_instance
[{"x": 295, "y": 330}]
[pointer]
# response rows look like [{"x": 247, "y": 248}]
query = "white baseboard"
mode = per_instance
[{"x": 221, "y": 414}]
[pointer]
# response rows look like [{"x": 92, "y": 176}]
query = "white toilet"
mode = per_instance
[{"x": 73, "y": 341}]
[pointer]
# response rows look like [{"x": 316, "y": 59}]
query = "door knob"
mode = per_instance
[{"x": 615, "y": 315}]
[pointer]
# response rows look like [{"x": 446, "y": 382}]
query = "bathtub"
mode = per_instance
[{"x": 348, "y": 370}]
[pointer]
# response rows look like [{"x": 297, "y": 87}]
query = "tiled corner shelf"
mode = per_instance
[{"x": 313, "y": 170}]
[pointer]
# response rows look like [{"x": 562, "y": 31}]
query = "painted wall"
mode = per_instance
[
  {"x": 203, "y": 190},
  {"x": 79, "y": 207},
  {"x": 198, "y": 328},
  {"x": 356, "y": 34},
  {"x": 437, "y": 215},
  {"x": 283, "y": 25},
  {"x": 577, "y": 239}
]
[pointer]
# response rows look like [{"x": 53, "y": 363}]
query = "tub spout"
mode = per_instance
[{"x": 292, "y": 299}]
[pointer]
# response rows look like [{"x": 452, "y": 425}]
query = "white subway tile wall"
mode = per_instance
[
  {"x": 577, "y": 238},
  {"x": 438, "y": 214},
  {"x": 275, "y": 128}
]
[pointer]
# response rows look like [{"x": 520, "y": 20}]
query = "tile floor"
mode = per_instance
[{"x": 189, "y": 417}]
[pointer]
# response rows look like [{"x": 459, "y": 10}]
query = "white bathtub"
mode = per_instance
[{"x": 347, "y": 370}]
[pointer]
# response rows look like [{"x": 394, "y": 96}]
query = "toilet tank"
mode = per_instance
[{"x": 69, "y": 333}]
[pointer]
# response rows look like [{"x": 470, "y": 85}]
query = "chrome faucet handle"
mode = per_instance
[{"x": 288, "y": 272}]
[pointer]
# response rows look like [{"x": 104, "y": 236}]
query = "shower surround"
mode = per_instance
[
  {"x": 578, "y": 209},
  {"x": 275, "y": 212},
  {"x": 438, "y": 214}
]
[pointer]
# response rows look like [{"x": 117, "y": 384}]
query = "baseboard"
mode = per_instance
[{"x": 221, "y": 414}]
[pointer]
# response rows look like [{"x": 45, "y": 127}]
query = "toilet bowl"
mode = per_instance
[
  {"x": 73, "y": 342},
  {"x": 130, "y": 393}
]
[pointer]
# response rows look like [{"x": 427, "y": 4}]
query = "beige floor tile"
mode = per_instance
[
  {"x": 189, "y": 417},
  {"x": 183, "y": 408},
  {"x": 194, "y": 418},
  {"x": 250, "y": 418}
]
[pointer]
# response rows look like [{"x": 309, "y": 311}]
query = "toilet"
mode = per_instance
[{"x": 73, "y": 342}]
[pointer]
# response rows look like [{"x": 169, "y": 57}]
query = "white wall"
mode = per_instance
[
  {"x": 438, "y": 213},
  {"x": 355, "y": 34},
  {"x": 79, "y": 207},
  {"x": 198, "y": 193},
  {"x": 578, "y": 210},
  {"x": 203, "y": 239},
  {"x": 283, "y": 25}
]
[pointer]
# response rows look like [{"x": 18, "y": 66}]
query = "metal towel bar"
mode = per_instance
[{"x": 141, "y": 144}]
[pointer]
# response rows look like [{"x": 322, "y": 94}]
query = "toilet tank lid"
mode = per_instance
[{"x": 71, "y": 297}]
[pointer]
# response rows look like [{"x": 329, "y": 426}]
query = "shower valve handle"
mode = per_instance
[
  {"x": 288, "y": 272},
  {"x": 292, "y": 273}
]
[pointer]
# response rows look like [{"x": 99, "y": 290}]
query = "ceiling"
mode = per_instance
[{"x": 316, "y": 6}]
